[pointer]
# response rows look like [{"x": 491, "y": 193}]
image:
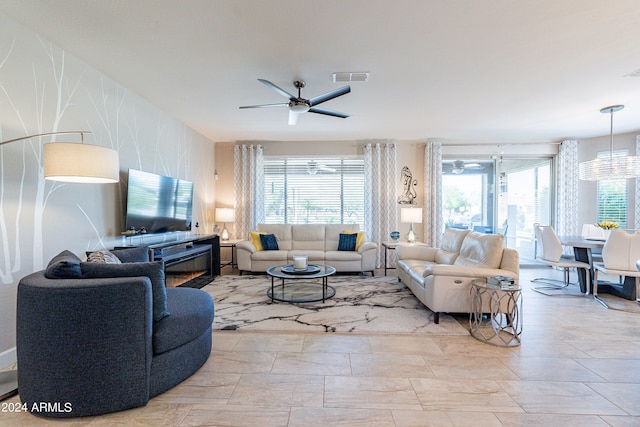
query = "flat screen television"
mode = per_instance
[{"x": 157, "y": 203}]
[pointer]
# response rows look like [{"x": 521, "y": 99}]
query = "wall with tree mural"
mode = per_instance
[{"x": 45, "y": 89}]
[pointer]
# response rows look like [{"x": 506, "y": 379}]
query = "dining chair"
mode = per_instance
[
  {"x": 550, "y": 253},
  {"x": 621, "y": 256}
]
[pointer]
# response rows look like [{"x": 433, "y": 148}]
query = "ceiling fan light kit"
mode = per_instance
[{"x": 298, "y": 105}]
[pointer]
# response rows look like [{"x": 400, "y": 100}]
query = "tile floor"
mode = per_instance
[{"x": 579, "y": 364}]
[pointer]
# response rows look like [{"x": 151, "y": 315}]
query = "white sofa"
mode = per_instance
[
  {"x": 441, "y": 277},
  {"x": 319, "y": 242}
]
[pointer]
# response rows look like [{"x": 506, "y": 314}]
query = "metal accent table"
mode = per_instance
[
  {"x": 502, "y": 326},
  {"x": 303, "y": 287}
]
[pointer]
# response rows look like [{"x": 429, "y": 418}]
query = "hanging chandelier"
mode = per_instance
[{"x": 611, "y": 167}]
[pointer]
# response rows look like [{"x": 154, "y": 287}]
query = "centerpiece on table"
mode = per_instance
[{"x": 607, "y": 226}]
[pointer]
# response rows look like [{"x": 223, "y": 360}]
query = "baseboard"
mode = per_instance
[{"x": 8, "y": 357}]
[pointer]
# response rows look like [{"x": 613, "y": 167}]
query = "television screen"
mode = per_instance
[{"x": 158, "y": 203}]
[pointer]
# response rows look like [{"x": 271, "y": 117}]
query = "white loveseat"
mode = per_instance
[
  {"x": 441, "y": 277},
  {"x": 319, "y": 242}
]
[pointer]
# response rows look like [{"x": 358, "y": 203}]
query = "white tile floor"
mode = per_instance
[{"x": 579, "y": 364}]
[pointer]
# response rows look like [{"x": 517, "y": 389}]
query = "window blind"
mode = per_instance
[
  {"x": 613, "y": 195},
  {"x": 314, "y": 191}
]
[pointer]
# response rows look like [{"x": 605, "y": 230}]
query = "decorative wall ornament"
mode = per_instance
[{"x": 408, "y": 196}]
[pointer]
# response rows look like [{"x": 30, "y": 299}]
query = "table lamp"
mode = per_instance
[
  {"x": 225, "y": 215},
  {"x": 411, "y": 215}
]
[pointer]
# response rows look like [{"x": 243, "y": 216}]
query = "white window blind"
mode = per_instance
[
  {"x": 314, "y": 191},
  {"x": 612, "y": 195}
]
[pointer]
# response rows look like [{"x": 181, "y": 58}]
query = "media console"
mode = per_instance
[{"x": 191, "y": 262}]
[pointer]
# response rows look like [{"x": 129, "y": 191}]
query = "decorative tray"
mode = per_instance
[{"x": 311, "y": 269}]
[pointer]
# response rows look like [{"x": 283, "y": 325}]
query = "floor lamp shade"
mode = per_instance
[{"x": 72, "y": 162}]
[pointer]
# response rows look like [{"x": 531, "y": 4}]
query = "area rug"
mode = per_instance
[{"x": 368, "y": 305}]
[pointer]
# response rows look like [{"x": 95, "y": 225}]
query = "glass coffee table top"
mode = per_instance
[{"x": 301, "y": 286}]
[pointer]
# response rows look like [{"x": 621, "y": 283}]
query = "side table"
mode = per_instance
[
  {"x": 502, "y": 325},
  {"x": 387, "y": 247},
  {"x": 230, "y": 244}
]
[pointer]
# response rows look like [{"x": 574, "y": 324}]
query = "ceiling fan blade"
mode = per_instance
[
  {"x": 278, "y": 89},
  {"x": 282, "y": 104},
  {"x": 328, "y": 113},
  {"x": 293, "y": 117},
  {"x": 329, "y": 95}
]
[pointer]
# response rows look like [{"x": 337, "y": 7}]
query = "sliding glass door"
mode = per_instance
[{"x": 504, "y": 196}]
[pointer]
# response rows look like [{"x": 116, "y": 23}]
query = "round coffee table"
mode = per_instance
[{"x": 302, "y": 285}]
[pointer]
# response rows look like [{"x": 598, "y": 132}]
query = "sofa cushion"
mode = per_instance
[
  {"x": 481, "y": 250},
  {"x": 347, "y": 242},
  {"x": 282, "y": 233},
  {"x": 332, "y": 256},
  {"x": 360, "y": 239},
  {"x": 452, "y": 239},
  {"x": 312, "y": 256},
  {"x": 308, "y": 237},
  {"x": 103, "y": 256},
  {"x": 191, "y": 315},
  {"x": 136, "y": 254},
  {"x": 65, "y": 265},
  {"x": 255, "y": 239},
  {"x": 269, "y": 242},
  {"x": 153, "y": 270}
]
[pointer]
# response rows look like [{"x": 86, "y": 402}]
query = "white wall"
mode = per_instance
[{"x": 45, "y": 89}]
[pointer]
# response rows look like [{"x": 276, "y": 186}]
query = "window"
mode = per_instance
[
  {"x": 314, "y": 191},
  {"x": 612, "y": 195}
]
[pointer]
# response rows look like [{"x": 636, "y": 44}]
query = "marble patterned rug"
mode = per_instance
[{"x": 362, "y": 304}]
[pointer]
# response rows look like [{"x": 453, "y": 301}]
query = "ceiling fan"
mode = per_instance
[
  {"x": 298, "y": 105},
  {"x": 313, "y": 167},
  {"x": 459, "y": 166}
]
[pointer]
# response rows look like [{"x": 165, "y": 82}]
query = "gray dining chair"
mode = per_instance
[{"x": 549, "y": 252}]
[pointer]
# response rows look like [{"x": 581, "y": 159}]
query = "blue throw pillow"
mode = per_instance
[
  {"x": 269, "y": 242},
  {"x": 153, "y": 270},
  {"x": 65, "y": 265},
  {"x": 347, "y": 242}
]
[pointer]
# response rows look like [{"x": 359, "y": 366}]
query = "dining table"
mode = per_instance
[{"x": 583, "y": 250}]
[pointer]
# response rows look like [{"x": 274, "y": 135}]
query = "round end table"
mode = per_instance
[{"x": 496, "y": 313}]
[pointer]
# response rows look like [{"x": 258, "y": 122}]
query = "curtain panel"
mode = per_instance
[
  {"x": 249, "y": 188},
  {"x": 380, "y": 194},
  {"x": 432, "y": 209},
  {"x": 636, "y": 210},
  {"x": 567, "y": 199}
]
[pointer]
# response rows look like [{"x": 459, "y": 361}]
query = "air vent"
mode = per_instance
[
  {"x": 635, "y": 73},
  {"x": 350, "y": 77}
]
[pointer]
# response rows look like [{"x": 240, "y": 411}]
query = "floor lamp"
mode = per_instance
[{"x": 68, "y": 162}]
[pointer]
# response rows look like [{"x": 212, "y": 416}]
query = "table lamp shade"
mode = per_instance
[
  {"x": 225, "y": 214},
  {"x": 411, "y": 215}
]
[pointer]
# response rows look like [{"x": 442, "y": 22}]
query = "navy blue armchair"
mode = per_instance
[{"x": 91, "y": 338}]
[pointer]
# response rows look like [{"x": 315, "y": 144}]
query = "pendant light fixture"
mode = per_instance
[{"x": 610, "y": 167}]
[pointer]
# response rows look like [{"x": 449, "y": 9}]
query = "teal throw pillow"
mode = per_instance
[
  {"x": 347, "y": 242},
  {"x": 269, "y": 242}
]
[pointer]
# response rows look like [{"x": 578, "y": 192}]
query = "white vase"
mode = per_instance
[{"x": 607, "y": 233}]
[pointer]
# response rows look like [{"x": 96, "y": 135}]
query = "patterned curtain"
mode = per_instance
[
  {"x": 380, "y": 194},
  {"x": 432, "y": 210},
  {"x": 249, "y": 188},
  {"x": 567, "y": 210},
  {"x": 636, "y": 210}
]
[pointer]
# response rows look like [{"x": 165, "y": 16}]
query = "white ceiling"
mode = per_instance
[{"x": 458, "y": 70}]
